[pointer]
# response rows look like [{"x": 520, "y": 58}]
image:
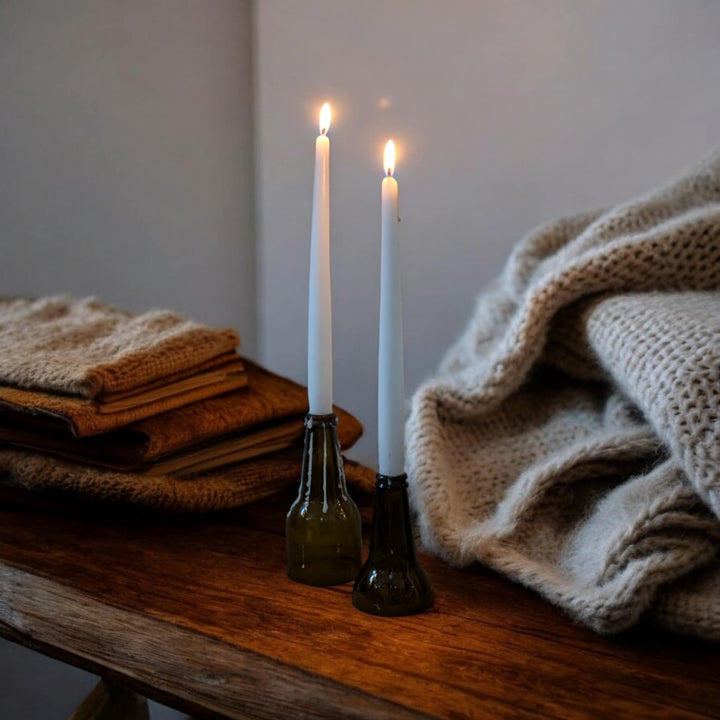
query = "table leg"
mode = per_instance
[{"x": 112, "y": 701}]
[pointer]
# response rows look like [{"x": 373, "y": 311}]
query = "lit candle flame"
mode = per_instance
[
  {"x": 390, "y": 157},
  {"x": 325, "y": 118}
]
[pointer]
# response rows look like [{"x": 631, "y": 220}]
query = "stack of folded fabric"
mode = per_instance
[{"x": 111, "y": 405}]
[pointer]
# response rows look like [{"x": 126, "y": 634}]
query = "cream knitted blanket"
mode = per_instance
[{"x": 572, "y": 437}]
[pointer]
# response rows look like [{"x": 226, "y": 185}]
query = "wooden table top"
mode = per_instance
[{"x": 198, "y": 613}]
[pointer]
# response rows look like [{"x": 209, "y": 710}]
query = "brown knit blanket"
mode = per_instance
[
  {"x": 268, "y": 415},
  {"x": 85, "y": 348},
  {"x": 100, "y": 368},
  {"x": 143, "y": 410},
  {"x": 235, "y": 485}
]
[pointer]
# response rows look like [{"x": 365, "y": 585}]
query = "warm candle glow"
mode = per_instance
[
  {"x": 325, "y": 114},
  {"x": 390, "y": 157}
]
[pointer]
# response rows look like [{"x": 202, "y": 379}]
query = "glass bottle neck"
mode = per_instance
[
  {"x": 392, "y": 531},
  {"x": 323, "y": 474}
]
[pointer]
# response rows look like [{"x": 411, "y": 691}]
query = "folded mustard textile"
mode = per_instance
[
  {"x": 98, "y": 368},
  {"x": 571, "y": 439},
  {"x": 235, "y": 485},
  {"x": 144, "y": 410},
  {"x": 266, "y": 416}
]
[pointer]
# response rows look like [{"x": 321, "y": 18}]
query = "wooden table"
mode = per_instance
[{"x": 197, "y": 613}]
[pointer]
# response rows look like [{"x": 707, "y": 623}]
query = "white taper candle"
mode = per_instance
[
  {"x": 320, "y": 370},
  {"x": 391, "y": 379}
]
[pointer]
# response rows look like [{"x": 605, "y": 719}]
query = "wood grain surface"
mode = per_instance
[{"x": 198, "y": 613}]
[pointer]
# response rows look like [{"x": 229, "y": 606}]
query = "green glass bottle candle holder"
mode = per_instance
[
  {"x": 392, "y": 582},
  {"x": 323, "y": 527}
]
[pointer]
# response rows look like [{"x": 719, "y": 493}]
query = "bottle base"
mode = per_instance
[{"x": 393, "y": 592}]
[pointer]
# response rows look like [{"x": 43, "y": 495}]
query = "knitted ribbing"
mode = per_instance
[
  {"x": 572, "y": 437},
  {"x": 85, "y": 348}
]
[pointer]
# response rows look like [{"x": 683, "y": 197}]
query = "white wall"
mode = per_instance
[
  {"x": 506, "y": 112},
  {"x": 125, "y": 172},
  {"x": 126, "y": 154}
]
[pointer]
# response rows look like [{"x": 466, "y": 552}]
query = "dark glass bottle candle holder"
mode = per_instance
[
  {"x": 392, "y": 582},
  {"x": 323, "y": 527}
]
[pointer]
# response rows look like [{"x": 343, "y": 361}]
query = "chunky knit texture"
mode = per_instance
[
  {"x": 572, "y": 437},
  {"x": 97, "y": 368},
  {"x": 87, "y": 349},
  {"x": 49, "y": 478}
]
